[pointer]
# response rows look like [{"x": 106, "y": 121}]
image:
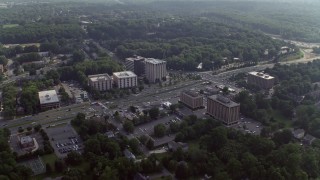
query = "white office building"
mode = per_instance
[
  {"x": 125, "y": 79},
  {"x": 49, "y": 99},
  {"x": 100, "y": 82},
  {"x": 155, "y": 69}
]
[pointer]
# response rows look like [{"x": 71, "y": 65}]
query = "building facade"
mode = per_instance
[
  {"x": 100, "y": 82},
  {"x": 125, "y": 79},
  {"x": 136, "y": 64},
  {"x": 261, "y": 80},
  {"x": 155, "y": 69},
  {"x": 223, "y": 109},
  {"x": 49, "y": 99},
  {"x": 191, "y": 99}
]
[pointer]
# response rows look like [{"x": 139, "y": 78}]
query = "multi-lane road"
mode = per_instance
[{"x": 52, "y": 117}]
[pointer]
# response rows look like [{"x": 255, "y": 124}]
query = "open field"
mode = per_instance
[{"x": 10, "y": 25}]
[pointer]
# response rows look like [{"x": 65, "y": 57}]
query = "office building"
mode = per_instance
[
  {"x": 261, "y": 80},
  {"x": 135, "y": 64},
  {"x": 100, "y": 82},
  {"x": 191, "y": 99},
  {"x": 125, "y": 79},
  {"x": 155, "y": 69},
  {"x": 48, "y": 99},
  {"x": 223, "y": 109}
]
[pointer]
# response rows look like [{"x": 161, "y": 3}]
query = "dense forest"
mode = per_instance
[{"x": 184, "y": 42}]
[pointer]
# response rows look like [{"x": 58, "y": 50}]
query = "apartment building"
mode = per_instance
[
  {"x": 125, "y": 79},
  {"x": 223, "y": 109},
  {"x": 261, "y": 80},
  {"x": 191, "y": 99},
  {"x": 100, "y": 82},
  {"x": 155, "y": 69}
]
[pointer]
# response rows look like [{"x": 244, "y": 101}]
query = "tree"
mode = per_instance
[
  {"x": 132, "y": 109},
  {"x": 182, "y": 171},
  {"x": 72, "y": 174},
  {"x": 109, "y": 173},
  {"x": 48, "y": 168},
  {"x": 150, "y": 144},
  {"x": 3, "y": 60},
  {"x": 225, "y": 90},
  {"x": 73, "y": 158},
  {"x": 154, "y": 113},
  {"x": 59, "y": 165},
  {"x": 128, "y": 126},
  {"x": 174, "y": 127},
  {"x": 79, "y": 119},
  {"x": 29, "y": 49},
  {"x": 283, "y": 137},
  {"x": 159, "y": 130},
  {"x": 78, "y": 56},
  {"x": 20, "y": 129}
]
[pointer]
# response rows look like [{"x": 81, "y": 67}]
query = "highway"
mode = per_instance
[{"x": 46, "y": 118}]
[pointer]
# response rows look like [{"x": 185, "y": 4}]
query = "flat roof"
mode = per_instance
[
  {"x": 25, "y": 139},
  {"x": 154, "y": 61},
  {"x": 191, "y": 93},
  {"x": 99, "y": 77},
  {"x": 261, "y": 74},
  {"x": 224, "y": 100},
  {"x": 124, "y": 74},
  {"x": 135, "y": 58},
  {"x": 47, "y": 97}
]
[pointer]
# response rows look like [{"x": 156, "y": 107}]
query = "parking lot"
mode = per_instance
[
  {"x": 64, "y": 139},
  {"x": 248, "y": 125}
]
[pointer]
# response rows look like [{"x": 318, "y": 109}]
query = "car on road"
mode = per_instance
[{"x": 5, "y": 125}]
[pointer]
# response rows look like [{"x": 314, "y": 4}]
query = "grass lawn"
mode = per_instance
[
  {"x": 49, "y": 158},
  {"x": 291, "y": 57},
  {"x": 10, "y": 25},
  {"x": 194, "y": 144}
]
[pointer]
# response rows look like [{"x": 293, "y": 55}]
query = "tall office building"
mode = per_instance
[
  {"x": 135, "y": 64},
  {"x": 191, "y": 99},
  {"x": 261, "y": 80},
  {"x": 223, "y": 109},
  {"x": 125, "y": 79},
  {"x": 155, "y": 69},
  {"x": 100, "y": 82}
]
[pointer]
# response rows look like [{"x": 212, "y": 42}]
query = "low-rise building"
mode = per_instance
[
  {"x": 129, "y": 155},
  {"x": 223, "y": 109},
  {"x": 26, "y": 142},
  {"x": 298, "y": 133},
  {"x": 308, "y": 139},
  {"x": 125, "y": 79},
  {"x": 261, "y": 80},
  {"x": 49, "y": 99},
  {"x": 191, "y": 99},
  {"x": 173, "y": 146},
  {"x": 100, "y": 82}
]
